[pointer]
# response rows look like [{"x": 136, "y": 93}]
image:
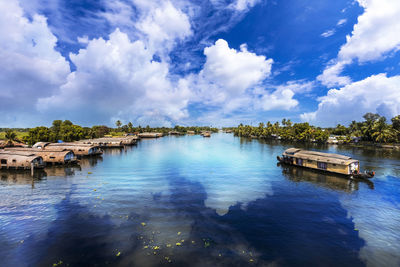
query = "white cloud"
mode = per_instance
[
  {"x": 118, "y": 78},
  {"x": 298, "y": 87},
  {"x": 375, "y": 35},
  {"x": 163, "y": 25},
  {"x": 341, "y": 22},
  {"x": 378, "y": 94},
  {"x": 278, "y": 100},
  {"x": 30, "y": 65},
  {"x": 376, "y": 32},
  {"x": 234, "y": 71},
  {"x": 331, "y": 75},
  {"x": 241, "y": 5},
  {"x": 118, "y": 13},
  {"x": 328, "y": 33}
]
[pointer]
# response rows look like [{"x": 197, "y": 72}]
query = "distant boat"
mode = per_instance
[
  {"x": 206, "y": 134},
  {"x": 326, "y": 162}
]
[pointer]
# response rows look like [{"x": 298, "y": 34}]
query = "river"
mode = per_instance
[{"x": 194, "y": 201}]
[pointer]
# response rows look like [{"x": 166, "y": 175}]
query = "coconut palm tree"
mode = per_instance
[
  {"x": 118, "y": 123},
  {"x": 10, "y": 135}
]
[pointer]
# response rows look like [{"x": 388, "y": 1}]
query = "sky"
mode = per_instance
[{"x": 190, "y": 62}]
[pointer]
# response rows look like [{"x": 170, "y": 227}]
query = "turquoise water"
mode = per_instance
[{"x": 219, "y": 201}]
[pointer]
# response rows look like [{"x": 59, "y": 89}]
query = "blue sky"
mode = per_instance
[{"x": 214, "y": 62}]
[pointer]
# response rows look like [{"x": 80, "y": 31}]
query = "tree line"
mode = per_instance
[
  {"x": 66, "y": 131},
  {"x": 374, "y": 128}
]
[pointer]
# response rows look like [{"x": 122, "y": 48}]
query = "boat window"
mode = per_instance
[
  {"x": 3, "y": 161},
  {"x": 322, "y": 165},
  {"x": 334, "y": 164},
  {"x": 14, "y": 160},
  {"x": 309, "y": 161},
  {"x": 52, "y": 157},
  {"x": 299, "y": 162}
]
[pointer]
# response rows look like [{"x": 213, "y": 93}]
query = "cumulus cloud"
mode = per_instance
[
  {"x": 235, "y": 71},
  {"x": 229, "y": 76},
  {"x": 163, "y": 25},
  {"x": 378, "y": 93},
  {"x": 331, "y": 77},
  {"x": 118, "y": 78},
  {"x": 127, "y": 76},
  {"x": 30, "y": 65},
  {"x": 373, "y": 38}
]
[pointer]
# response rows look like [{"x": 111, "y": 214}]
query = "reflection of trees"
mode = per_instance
[
  {"x": 90, "y": 161},
  {"x": 62, "y": 170},
  {"x": 331, "y": 181},
  {"x": 21, "y": 176}
]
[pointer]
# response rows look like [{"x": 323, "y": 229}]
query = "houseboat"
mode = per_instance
[
  {"x": 49, "y": 156},
  {"x": 106, "y": 142},
  {"x": 150, "y": 135},
  {"x": 327, "y": 162},
  {"x": 206, "y": 134},
  {"x": 24, "y": 161},
  {"x": 78, "y": 149}
]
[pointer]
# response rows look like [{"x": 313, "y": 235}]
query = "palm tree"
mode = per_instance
[
  {"x": 118, "y": 123},
  {"x": 10, "y": 135},
  {"x": 130, "y": 126}
]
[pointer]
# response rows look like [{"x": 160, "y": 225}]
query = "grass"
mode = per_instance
[{"x": 20, "y": 135}]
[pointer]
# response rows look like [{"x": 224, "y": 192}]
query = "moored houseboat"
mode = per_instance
[
  {"x": 107, "y": 142},
  {"x": 49, "y": 156},
  {"x": 24, "y": 161},
  {"x": 206, "y": 134},
  {"x": 78, "y": 149},
  {"x": 327, "y": 162},
  {"x": 150, "y": 135}
]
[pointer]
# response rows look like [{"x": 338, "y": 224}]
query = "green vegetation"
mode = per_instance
[
  {"x": 19, "y": 135},
  {"x": 66, "y": 131},
  {"x": 374, "y": 128}
]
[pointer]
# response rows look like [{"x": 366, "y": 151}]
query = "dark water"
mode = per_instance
[{"x": 193, "y": 201}]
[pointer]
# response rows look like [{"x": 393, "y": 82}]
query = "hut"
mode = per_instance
[
  {"x": 49, "y": 156},
  {"x": 78, "y": 149},
  {"x": 326, "y": 162},
  {"x": 18, "y": 160},
  {"x": 150, "y": 135}
]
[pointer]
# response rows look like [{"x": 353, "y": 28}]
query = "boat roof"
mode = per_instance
[{"x": 319, "y": 156}]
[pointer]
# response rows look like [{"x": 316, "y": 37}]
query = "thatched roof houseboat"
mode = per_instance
[
  {"x": 175, "y": 133},
  {"x": 150, "y": 135},
  {"x": 103, "y": 142},
  {"x": 112, "y": 141},
  {"x": 78, "y": 149},
  {"x": 327, "y": 162},
  {"x": 9, "y": 143},
  {"x": 19, "y": 160},
  {"x": 206, "y": 134},
  {"x": 191, "y": 132},
  {"x": 49, "y": 156}
]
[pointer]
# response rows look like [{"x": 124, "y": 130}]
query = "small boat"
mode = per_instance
[
  {"x": 206, "y": 134},
  {"x": 327, "y": 162}
]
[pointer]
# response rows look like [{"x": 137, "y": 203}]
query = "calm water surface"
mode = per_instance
[{"x": 219, "y": 201}]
